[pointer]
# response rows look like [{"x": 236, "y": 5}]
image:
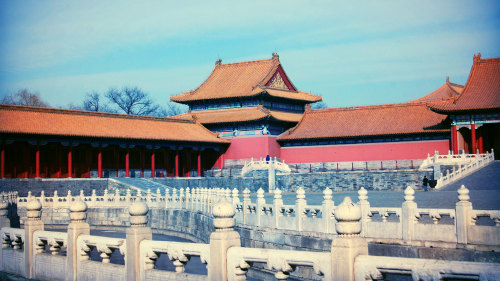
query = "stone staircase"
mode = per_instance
[{"x": 142, "y": 184}]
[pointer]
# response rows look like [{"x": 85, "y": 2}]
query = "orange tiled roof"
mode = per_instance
[
  {"x": 75, "y": 123},
  {"x": 389, "y": 119},
  {"x": 481, "y": 92},
  {"x": 447, "y": 91},
  {"x": 239, "y": 115},
  {"x": 244, "y": 79}
]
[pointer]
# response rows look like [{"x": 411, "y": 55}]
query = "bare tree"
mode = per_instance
[
  {"x": 93, "y": 102},
  {"x": 26, "y": 98},
  {"x": 175, "y": 109},
  {"x": 318, "y": 105},
  {"x": 132, "y": 100}
]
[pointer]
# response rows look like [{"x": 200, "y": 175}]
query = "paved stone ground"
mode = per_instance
[{"x": 484, "y": 187}]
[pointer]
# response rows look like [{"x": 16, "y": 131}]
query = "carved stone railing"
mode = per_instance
[
  {"x": 282, "y": 262},
  {"x": 468, "y": 168},
  {"x": 454, "y": 159},
  {"x": 55, "y": 240},
  {"x": 262, "y": 164},
  {"x": 374, "y": 268},
  {"x": 104, "y": 245},
  {"x": 12, "y": 238},
  {"x": 178, "y": 252}
]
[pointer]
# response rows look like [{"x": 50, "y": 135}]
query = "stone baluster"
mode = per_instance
[
  {"x": 42, "y": 198},
  {"x": 327, "y": 209},
  {"x": 463, "y": 215},
  {"x": 167, "y": 198},
  {"x": 137, "y": 232},
  {"x": 365, "y": 210},
  {"x": 77, "y": 227},
  {"x": 277, "y": 204},
  {"x": 227, "y": 195},
  {"x": 148, "y": 197},
  {"x": 235, "y": 196},
  {"x": 181, "y": 198},
  {"x": 175, "y": 199},
  {"x": 246, "y": 204},
  {"x": 259, "y": 212},
  {"x": 55, "y": 199},
  {"x": 117, "y": 197},
  {"x": 158, "y": 198},
  {"x": 348, "y": 244},
  {"x": 69, "y": 198},
  {"x": 34, "y": 223},
  {"x": 188, "y": 198},
  {"x": 93, "y": 199},
  {"x": 300, "y": 206},
  {"x": 197, "y": 199},
  {"x": 127, "y": 196},
  {"x": 221, "y": 240},
  {"x": 409, "y": 215},
  {"x": 82, "y": 195},
  {"x": 29, "y": 195},
  {"x": 105, "y": 200},
  {"x": 4, "y": 210}
]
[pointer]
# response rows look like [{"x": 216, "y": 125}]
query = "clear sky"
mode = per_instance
[{"x": 351, "y": 52}]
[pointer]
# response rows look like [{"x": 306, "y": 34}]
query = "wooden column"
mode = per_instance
[
  {"x": 99, "y": 163},
  {"x": 177, "y": 163},
  {"x": 127, "y": 163},
  {"x": 37, "y": 161},
  {"x": 188, "y": 163},
  {"x": 58, "y": 161},
  {"x": 2, "y": 161},
  {"x": 473, "y": 137},
  {"x": 117, "y": 160},
  {"x": 70, "y": 168},
  {"x": 480, "y": 141},
  {"x": 199, "y": 163},
  {"x": 153, "y": 163},
  {"x": 454, "y": 139}
]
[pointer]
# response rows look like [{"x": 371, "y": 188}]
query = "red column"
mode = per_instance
[
  {"x": 117, "y": 160},
  {"x": 153, "y": 163},
  {"x": 473, "y": 137},
  {"x": 58, "y": 161},
  {"x": 454, "y": 139},
  {"x": 188, "y": 162},
  {"x": 127, "y": 164},
  {"x": 70, "y": 168},
  {"x": 37, "y": 161},
  {"x": 177, "y": 163},
  {"x": 199, "y": 163},
  {"x": 480, "y": 141},
  {"x": 2, "y": 162},
  {"x": 99, "y": 163}
]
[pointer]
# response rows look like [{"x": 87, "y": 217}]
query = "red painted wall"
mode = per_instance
[
  {"x": 363, "y": 152},
  {"x": 256, "y": 147}
]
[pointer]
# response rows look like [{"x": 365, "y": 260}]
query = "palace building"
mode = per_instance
[{"x": 249, "y": 110}]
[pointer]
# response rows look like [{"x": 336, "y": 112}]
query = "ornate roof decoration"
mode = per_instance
[
  {"x": 388, "y": 119},
  {"x": 481, "y": 91},
  {"x": 75, "y": 123},
  {"x": 246, "y": 79}
]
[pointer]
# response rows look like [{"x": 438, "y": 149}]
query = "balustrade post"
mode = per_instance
[
  {"x": 328, "y": 206},
  {"x": 260, "y": 204},
  {"x": 408, "y": 214},
  {"x": 348, "y": 244},
  {"x": 56, "y": 199},
  {"x": 300, "y": 205},
  {"x": 158, "y": 198},
  {"x": 137, "y": 232},
  {"x": 365, "y": 209},
  {"x": 463, "y": 215},
  {"x": 77, "y": 227},
  {"x": 223, "y": 238},
  {"x": 148, "y": 197},
  {"x": 33, "y": 223},
  {"x": 167, "y": 196},
  {"x": 246, "y": 203},
  {"x": 4, "y": 219},
  {"x": 277, "y": 203}
]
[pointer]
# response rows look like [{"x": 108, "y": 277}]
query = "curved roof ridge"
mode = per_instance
[
  {"x": 89, "y": 113},
  {"x": 362, "y": 107},
  {"x": 244, "y": 62}
]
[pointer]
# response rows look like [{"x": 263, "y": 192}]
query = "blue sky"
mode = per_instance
[{"x": 352, "y": 53}]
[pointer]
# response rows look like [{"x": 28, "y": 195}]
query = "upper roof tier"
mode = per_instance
[
  {"x": 245, "y": 114},
  {"x": 75, "y": 123},
  {"x": 375, "y": 120},
  {"x": 447, "y": 91},
  {"x": 481, "y": 91},
  {"x": 246, "y": 79}
]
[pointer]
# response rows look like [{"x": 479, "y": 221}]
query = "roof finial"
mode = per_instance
[
  {"x": 447, "y": 79},
  {"x": 477, "y": 57},
  {"x": 218, "y": 62},
  {"x": 275, "y": 56},
  {"x": 307, "y": 107}
]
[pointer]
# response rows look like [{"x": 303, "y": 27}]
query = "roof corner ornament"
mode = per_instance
[
  {"x": 447, "y": 79},
  {"x": 477, "y": 57},
  {"x": 308, "y": 108},
  {"x": 218, "y": 62},
  {"x": 275, "y": 56}
]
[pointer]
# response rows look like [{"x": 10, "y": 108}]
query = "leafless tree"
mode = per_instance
[
  {"x": 175, "y": 109},
  {"x": 24, "y": 97},
  {"x": 132, "y": 100},
  {"x": 93, "y": 102}
]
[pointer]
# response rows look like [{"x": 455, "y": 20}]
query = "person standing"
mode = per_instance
[{"x": 425, "y": 182}]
